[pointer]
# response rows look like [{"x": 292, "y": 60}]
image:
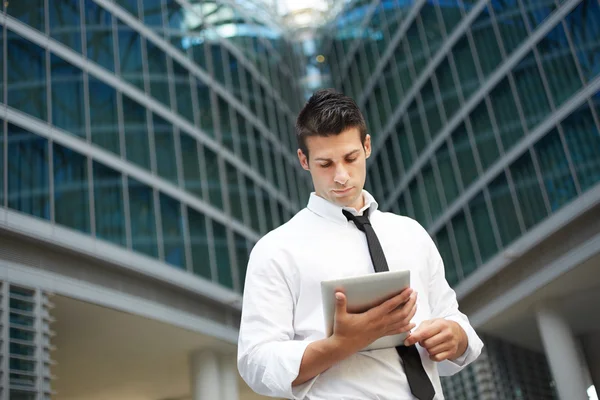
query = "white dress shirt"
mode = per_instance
[{"x": 282, "y": 310}]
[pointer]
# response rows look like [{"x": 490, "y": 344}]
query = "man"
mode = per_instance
[{"x": 282, "y": 349}]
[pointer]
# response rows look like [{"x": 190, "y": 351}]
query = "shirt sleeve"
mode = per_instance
[
  {"x": 268, "y": 356},
  {"x": 443, "y": 304}
]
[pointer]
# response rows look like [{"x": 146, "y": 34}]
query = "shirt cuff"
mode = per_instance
[{"x": 294, "y": 349}]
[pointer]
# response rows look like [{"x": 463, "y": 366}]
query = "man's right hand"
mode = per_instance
[{"x": 356, "y": 331}]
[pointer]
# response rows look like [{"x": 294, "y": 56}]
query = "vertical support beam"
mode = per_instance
[{"x": 568, "y": 369}]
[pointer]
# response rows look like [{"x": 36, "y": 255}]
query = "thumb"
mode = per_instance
[
  {"x": 417, "y": 334},
  {"x": 340, "y": 303}
]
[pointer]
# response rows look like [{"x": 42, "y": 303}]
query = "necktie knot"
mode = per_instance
[{"x": 359, "y": 220}]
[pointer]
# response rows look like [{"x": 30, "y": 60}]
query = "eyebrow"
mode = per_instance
[{"x": 345, "y": 155}]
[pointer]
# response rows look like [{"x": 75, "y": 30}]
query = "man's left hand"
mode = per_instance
[{"x": 443, "y": 339}]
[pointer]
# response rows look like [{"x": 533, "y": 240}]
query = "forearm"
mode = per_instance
[{"x": 320, "y": 356}]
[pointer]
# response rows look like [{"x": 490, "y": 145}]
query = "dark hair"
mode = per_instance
[{"x": 327, "y": 113}]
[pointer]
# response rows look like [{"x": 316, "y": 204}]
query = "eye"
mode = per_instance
[
  {"x": 351, "y": 160},
  {"x": 326, "y": 165}
]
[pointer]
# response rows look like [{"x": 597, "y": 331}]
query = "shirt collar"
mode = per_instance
[{"x": 333, "y": 212}]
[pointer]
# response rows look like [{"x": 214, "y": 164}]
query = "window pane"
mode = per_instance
[
  {"x": 172, "y": 231},
  {"x": 28, "y": 180},
  {"x": 29, "y": 12},
  {"x": 484, "y": 135},
  {"x": 103, "y": 116},
  {"x": 506, "y": 113},
  {"x": 213, "y": 178},
  {"x": 464, "y": 155},
  {"x": 555, "y": 170},
  {"x": 583, "y": 139},
  {"x": 528, "y": 191},
  {"x": 431, "y": 190},
  {"x": 463, "y": 243},
  {"x": 483, "y": 227},
  {"x": 191, "y": 166},
  {"x": 26, "y": 76},
  {"x": 158, "y": 74},
  {"x": 136, "y": 133},
  {"x": 130, "y": 56},
  {"x": 65, "y": 22},
  {"x": 183, "y": 92},
  {"x": 504, "y": 210},
  {"x": 71, "y": 194},
  {"x": 253, "y": 204},
  {"x": 199, "y": 244},
  {"x": 222, "y": 252},
  {"x": 100, "y": 48},
  {"x": 235, "y": 194},
  {"x": 418, "y": 205},
  {"x": 67, "y": 97},
  {"x": 108, "y": 203},
  {"x": 448, "y": 178},
  {"x": 143, "y": 223},
  {"x": 242, "y": 249},
  {"x": 166, "y": 161},
  {"x": 445, "y": 249}
]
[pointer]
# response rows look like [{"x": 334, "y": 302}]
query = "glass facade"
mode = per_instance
[
  {"x": 161, "y": 127},
  {"x": 485, "y": 121}
]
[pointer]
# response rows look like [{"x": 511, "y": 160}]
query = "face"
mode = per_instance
[{"x": 337, "y": 165}]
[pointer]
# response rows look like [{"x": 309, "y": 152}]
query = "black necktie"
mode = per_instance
[{"x": 419, "y": 382}]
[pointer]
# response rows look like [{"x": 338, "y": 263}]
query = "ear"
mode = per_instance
[
  {"x": 303, "y": 160},
  {"x": 367, "y": 146}
]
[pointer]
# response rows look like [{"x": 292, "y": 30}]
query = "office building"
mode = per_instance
[{"x": 485, "y": 119}]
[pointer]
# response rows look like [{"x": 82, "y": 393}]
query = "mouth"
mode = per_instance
[{"x": 341, "y": 192}]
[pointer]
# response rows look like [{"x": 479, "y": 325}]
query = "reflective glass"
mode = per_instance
[
  {"x": 99, "y": 35},
  {"x": 129, "y": 5},
  {"x": 431, "y": 191},
  {"x": 445, "y": 249},
  {"x": 465, "y": 66},
  {"x": 26, "y": 76},
  {"x": 486, "y": 44},
  {"x": 108, "y": 204},
  {"x": 417, "y": 201},
  {"x": 199, "y": 244},
  {"x": 583, "y": 140},
  {"x": 30, "y": 12},
  {"x": 506, "y": 112},
  {"x": 68, "y": 105},
  {"x": 222, "y": 252},
  {"x": 528, "y": 191},
  {"x": 482, "y": 225},
  {"x": 104, "y": 123},
  {"x": 555, "y": 170},
  {"x": 464, "y": 155},
  {"x": 164, "y": 142},
  {"x": 28, "y": 172},
  {"x": 172, "y": 231},
  {"x": 504, "y": 210},
  {"x": 448, "y": 91},
  {"x": 137, "y": 145},
  {"x": 534, "y": 102},
  {"x": 447, "y": 176},
  {"x": 583, "y": 25},
  {"x": 511, "y": 26},
  {"x": 183, "y": 92},
  {"x": 235, "y": 194},
  {"x": 143, "y": 222},
  {"x": 253, "y": 203},
  {"x": 205, "y": 108},
  {"x": 152, "y": 13},
  {"x": 65, "y": 22},
  {"x": 192, "y": 178},
  {"x": 130, "y": 56},
  {"x": 158, "y": 74},
  {"x": 484, "y": 135},
  {"x": 71, "y": 189},
  {"x": 242, "y": 252},
  {"x": 213, "y": 178},
  {"x": 463, "y": 243}
]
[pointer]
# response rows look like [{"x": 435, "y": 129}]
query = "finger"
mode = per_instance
[
  {"x": 407, "y": 311},
  {"x": 398, "y": 328},
  {"x": 340, "y": 303},
  {"x": 441, "y": 348},
  {"x": 436, "y": 340},
  {"x": 426, "y": 330},
  {"x": 441, "y": 356},
  {"x": 391, "y": 304}
]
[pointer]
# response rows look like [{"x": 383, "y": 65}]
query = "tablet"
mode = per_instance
[{"x": 362, "y": 293}]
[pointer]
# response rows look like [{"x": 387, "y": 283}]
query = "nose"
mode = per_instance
[{"x": 341, "y": 175}]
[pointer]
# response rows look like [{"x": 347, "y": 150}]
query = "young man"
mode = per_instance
[{"x": 282, "y": 349}]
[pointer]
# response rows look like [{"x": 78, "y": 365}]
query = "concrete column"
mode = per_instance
[
  {"x": 229, "y": 378},
  {"x": 205, "y": 375},
  {"x": 591, "y": 349},
  {"x": 568, "y": 369}
]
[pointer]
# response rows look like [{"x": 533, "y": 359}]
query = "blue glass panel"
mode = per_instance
[
  {"x": 166, "y": 162},
  {"x": 99, "y": 35},
  {"x": 528, "y": 191},
  {"x": 137, "y": 145},
  {"x": 108, "y": 204},
  {"x": 26, "y": 77},
  {"x": 583, "y": 24},
  {"x": 30, "y": 12},
  {"x": 222, "y": 252},
  {"x": 143, "y": 223},
  {"x": 555, "y": 170},
  {"x": 199, "y": 244},
  {"x": 583, "y": 139},
  {"x": 153, "y": 16},
  {"x": 158, "y": 74},
  {"x": 65, "y": 22},
  {"x": 130, "y": 56},
  {"x": 67, "y": 97},
  {"x": 482, "y": 225},
  {"x": 104, "y": 123},
  {"x": 242, "y": 248},
  {"x": 28, "y": 175},
  {"x": 504, "y": 210},
  {"x": 213, "y": 177},
  {"x": 445, "y": 249},
  {"x": 71, "y": 190},
  {"x": 172, "y": 230}
]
